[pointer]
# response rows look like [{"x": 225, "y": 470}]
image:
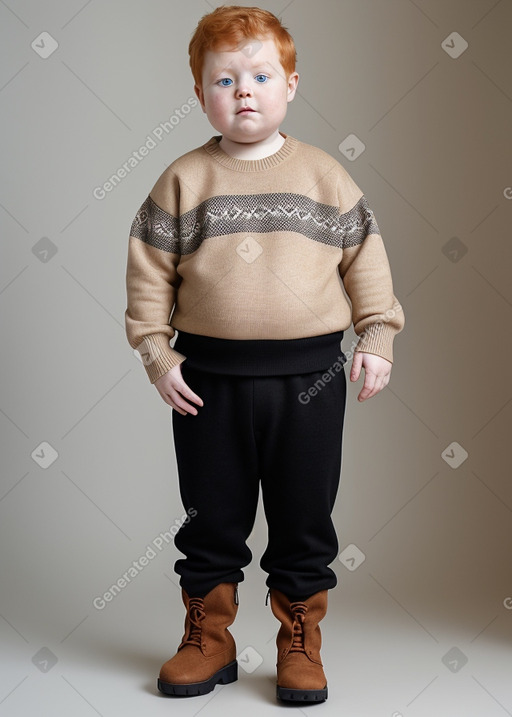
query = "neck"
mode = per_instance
[{"x": 253, "y": 150}]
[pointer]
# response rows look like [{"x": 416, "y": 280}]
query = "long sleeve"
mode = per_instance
[
  {"x": 152, "y": 283},
  {"x": 376, "y": 312}
]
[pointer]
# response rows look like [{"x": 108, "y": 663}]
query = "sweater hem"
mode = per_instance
[{"x": 260, "y": 357}]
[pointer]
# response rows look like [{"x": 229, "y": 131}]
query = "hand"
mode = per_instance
[
  {"x": 377, "y": 371},
  {"x": 173, "y": 389}
]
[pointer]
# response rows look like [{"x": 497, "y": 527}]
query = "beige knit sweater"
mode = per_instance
[{"x": 256, "y": 249}]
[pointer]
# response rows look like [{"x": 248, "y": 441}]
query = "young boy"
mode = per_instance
[{"x": 245, "y": 239}]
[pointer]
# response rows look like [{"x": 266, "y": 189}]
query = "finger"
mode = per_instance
[
  {"x": 168, "y": 398},
  {"x": 355, "y": 370},
  {"x": 180, "y": 402},
  {"x": 179, "y": 384},
  {"x": 380, "y": 383},
  {"x": 369, "y": 383},
  {"x": 184, "y": 390},
  {"x": 172, "y": 396}
]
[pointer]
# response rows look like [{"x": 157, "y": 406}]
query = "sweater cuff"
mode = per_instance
[
  {"x": 377, "y": 339},
  {"x": 157, "y": 355}
]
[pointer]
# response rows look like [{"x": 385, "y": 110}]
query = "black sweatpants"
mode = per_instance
[{"x": 283, "y": 430}]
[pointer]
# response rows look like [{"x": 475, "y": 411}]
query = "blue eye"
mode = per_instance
[
  {"x": 265, "y": 78},
  {"x": 224, "y": 79}
]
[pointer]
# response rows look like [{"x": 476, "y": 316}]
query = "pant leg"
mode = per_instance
[
  {"x": 217, "y": 472},
  {"x": 299, "y": 443}
]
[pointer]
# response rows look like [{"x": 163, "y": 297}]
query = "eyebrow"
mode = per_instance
[{"x": 218, "y": 70}]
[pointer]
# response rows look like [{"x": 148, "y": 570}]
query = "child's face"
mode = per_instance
[{"x": 252, "y": 76}]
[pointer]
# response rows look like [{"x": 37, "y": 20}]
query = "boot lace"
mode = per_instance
[
  {"x": 299, "y": 613},
  {"x": 196, "y": 616}
]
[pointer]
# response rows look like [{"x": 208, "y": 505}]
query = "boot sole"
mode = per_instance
[
  {"x": 227, "y": 674},
  {"x": 289, "y": 694}
]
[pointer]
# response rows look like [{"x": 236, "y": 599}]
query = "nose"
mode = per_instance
[{"x": 243, "y": 91}]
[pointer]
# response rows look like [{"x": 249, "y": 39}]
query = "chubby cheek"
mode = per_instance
[
  {"x": 274, "y": 99},
  {"x": 276, "y": 105},
  {"x": 216, "y": 103}
]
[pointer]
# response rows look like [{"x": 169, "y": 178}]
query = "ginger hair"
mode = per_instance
[{"x": 229, "y": 25}]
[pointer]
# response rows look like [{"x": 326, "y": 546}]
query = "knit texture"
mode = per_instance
[{"x": 285, "y": 247}]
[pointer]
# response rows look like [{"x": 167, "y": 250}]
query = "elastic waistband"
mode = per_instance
[{"x": 260, "y": 357}]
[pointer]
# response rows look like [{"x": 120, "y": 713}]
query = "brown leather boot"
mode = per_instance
[
  {"x": 207, "y": 652},
  {"x": 300, "y": 675}
]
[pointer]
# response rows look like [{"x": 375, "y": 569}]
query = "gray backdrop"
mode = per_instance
[{"x": 421, "y": 620}]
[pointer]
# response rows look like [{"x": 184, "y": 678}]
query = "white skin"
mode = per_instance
[{"x": 252, "y": 75}]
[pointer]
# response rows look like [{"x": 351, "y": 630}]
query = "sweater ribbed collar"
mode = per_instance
[{"x": 251, "y": 165}]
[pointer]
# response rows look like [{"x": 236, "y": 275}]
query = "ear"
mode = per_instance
[
  {"x": 293, "y": 81},
  {"x": 200, "y": 95}
]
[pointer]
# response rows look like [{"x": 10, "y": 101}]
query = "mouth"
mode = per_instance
[{"x": 245, "y": 110}]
